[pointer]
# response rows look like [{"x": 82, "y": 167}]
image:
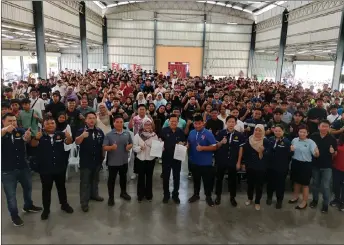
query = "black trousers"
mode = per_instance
[
  {"x": 113, "y": 171},
  {"x": 168, "y": 166},
  {"x": 89, "y": 180},
  {"x": 47, "y": 181},
  {"x": 255, "y": 182},
  {"x": 145, "y": 178},
  {"x": 206, "y": 173},
  {"x": 338, "y": 185},
  {"x": 232, "y": 180},
  {"x": 276, "y": 183}
]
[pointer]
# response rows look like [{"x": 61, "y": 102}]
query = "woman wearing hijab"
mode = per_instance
[
  {"x": 159, "y": 100},
  {"x": 145, "y": 163},
  {"x": 151, "y": 110},
  {"x": 159, "y": 119},
  {"x": 140, "y": 100},
  {"x": 98, "y": 100},
  {"x": 63, "y": 126},
  {"x": 301, "y": 167},
  {"x": 256, "y": 151},
  {"x": 168, "y": 109},
  {"x": 104, "y": 119}
]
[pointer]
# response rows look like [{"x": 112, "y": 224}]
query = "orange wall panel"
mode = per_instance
[{"x": 192, "y": 55}]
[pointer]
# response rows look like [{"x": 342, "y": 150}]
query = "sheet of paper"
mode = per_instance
[
  {"x": 157, "y": 148},
  {"x": 180, "y": 152}
]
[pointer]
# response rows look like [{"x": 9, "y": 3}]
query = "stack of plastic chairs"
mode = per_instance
[{"x": 74, "y": 159}]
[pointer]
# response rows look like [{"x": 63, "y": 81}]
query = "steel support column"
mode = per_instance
[
  {"x": 337, "y": 71},
  {"x": 83, "y": 40},
  {"x": 203, "y": 42},
  {"x": 105, "y": 44},
  {"x": 38, "y": 20},
  {"x": 22, "y": 67},
  {"x": 155, "y": 37},
  {"x": 252, "y": 49},
  {"x": 283, "y": 41}
]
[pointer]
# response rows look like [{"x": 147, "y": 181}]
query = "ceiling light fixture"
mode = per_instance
[
  {"x": 112, "y": 5},
  {"x": 247, "y": 10},
  {"x": 228, "y": 5},
  {"x": 237, "y": 7},
  {"x": 220, "y": 4},
  {"x": 127, "y": 19},
  {"x": 260, "y": 51},
  {"x": 231, "y": 23},
  {"x": 122, "y": 3},
  {"x": 99, "y": 4},
  {"x": 211, "y": 2}
]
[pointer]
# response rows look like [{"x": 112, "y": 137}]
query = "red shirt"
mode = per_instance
[{"x": 339, "y": 159}]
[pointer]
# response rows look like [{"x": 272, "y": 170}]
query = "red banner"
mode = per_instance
[{"x": 115, "y": 66}]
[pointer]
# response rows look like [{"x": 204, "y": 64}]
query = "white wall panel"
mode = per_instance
[
  {"x": 229, "y": 46},
  {"x": 314, "y": 37},
  {"x": 266, "y": 35},
  {"x": 177, "y": 26},
  {"x": 279, "y": 10},
  {"x": 95, "y": 8},
  {"x": 227, "y": 49},
  {"x": 137, "y": 15},
  {"x": 93, "y": 27},
  {"x": 95, "y": 58},
  {"x": 18, "y": 11},
  {"x": 130, "y": 42},
  {"x": 71, "y": 59}
]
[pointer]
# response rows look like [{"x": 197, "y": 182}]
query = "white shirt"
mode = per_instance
[
  {"x": 223, "y": 120},
  {"x": 332, "y": 118},
  {"x": 239, "y": 126},
  {"x": 39, "y": 105},
  {"x": 61, "y": 89},
  {"x": 143, "y": 154}
]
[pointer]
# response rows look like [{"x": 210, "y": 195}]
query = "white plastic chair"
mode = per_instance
[{"x": 74, "y": 159}]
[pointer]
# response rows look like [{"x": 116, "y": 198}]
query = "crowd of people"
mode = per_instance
[{"x": 264, "y": 129}]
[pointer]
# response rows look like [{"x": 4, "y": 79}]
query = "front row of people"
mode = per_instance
[{"x": 264, "y": 160}]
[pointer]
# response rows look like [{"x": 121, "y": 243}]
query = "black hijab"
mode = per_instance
[{"x": 61, "y": 126}]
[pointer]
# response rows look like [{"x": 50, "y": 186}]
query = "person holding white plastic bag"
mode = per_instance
[{"x": 145, "y": 163}]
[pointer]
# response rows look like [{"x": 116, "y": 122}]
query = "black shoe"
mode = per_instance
[
  {"x": 210, "y": 201},
  {"x": 334, "y": 203},
  {"x": 268, "y": 201},
  {"x": 194, "y": 198},
  {"x": 84, "y": 209},
  {"x": 125, "y": 196},
  {"x": 218, "y": 200},
  {"x": 45, "y": 215},
  {"x": 233, "y": 202},
  {"x": 68, "y": 209},
  {"x": 341, "y": 207},
  {"x": 111, "y": 202},
  {"x": 139, "y": 199},
  {"x": 149, "y": 199},
  {"x": 17, "y": 221},
  {"x": 301, "y": 208},
  {"x": 324, "y": 209},
  {"x": 32, "y": 209},
  {"x": 166, "y": 199},
  {"x": 176, "y": 199},
  {"x": 291, "y": 201},
  {"x": 189, "y": 175},
  {"x": 278, "y": 205},
  {"x": 161, "y": 175},
  {"x": 313, "y": 204},
  {"x": 97, "y": 199}
]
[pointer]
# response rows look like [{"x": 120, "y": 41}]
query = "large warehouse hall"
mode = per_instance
[{"x": 172, "y": 122}]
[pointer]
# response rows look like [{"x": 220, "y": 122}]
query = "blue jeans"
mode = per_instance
[
  {"x": 9, "y": 181},
  {"x": 321, "y": 181}
]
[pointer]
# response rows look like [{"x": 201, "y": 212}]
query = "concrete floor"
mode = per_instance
[{"x": 155, "y": 222}]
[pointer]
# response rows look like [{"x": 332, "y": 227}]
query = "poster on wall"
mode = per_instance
[
  {"x": 135, "y": 67},
  {"x": 125, "y": 66},
  {"x": 115, "y": 66}
]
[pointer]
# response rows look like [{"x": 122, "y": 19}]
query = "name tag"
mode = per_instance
[
  {"x": 57, "y": 141},
  {"x": 281, "y": 146}
]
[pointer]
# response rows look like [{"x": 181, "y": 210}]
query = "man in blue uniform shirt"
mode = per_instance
[
  {"x": 251, "y": 123},
  {"x": 201, "y": 144},
  {"x": 51, "y": 163},
  {"x": 14, "y": 168},
  {"x": 171, "y": 136},
  {"x": 228, "y": 158},
  {"x": 90, "y": 139}
]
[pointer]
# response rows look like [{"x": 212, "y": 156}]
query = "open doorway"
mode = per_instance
[{"x": 181, "y": 69}]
